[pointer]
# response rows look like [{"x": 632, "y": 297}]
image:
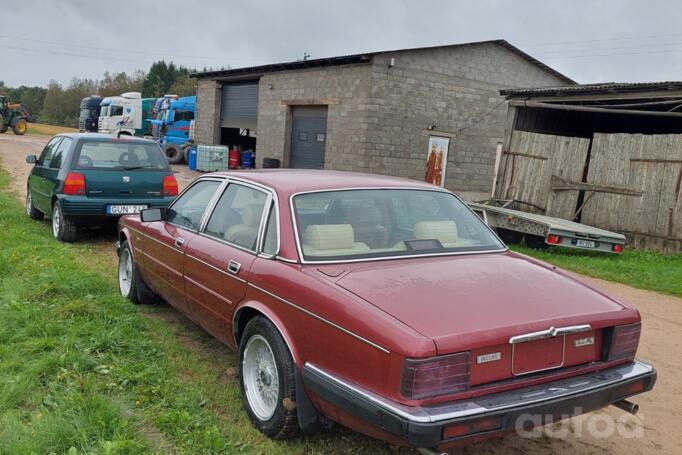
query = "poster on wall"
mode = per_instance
[{"x": 437, "y": 160}]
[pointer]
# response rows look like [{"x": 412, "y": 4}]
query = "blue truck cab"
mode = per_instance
[
  {"x": 89, "y": 114},
  {"x": 173, "y": 123}
]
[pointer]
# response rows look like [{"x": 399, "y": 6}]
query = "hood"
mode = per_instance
[{"x": 469, "y": 301}]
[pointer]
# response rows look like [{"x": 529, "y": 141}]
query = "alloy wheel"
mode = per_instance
[{"x": 261, "y": 379}]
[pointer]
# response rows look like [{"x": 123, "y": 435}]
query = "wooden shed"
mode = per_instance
[{"x": 607, "y": 155}]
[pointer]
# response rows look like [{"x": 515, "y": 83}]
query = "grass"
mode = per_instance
[
  {"x": 82, "y": 370},
  {"x": 48, "y": 130},
  {"x": 641, "y": 269}
]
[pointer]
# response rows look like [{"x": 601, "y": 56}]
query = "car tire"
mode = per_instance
[
  {"x": 31, "y": 210},
  {"x": 509, "y": 237},
  {"x": 536, "y": 242},
  {"x": 173, "y": 153},
  {"x": 63, "y": 228},
  {"x": 271, "y": 408},
  {"x": 130, "y": 282}
]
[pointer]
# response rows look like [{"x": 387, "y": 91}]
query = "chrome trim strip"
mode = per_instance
[
  {"x": 224, "y": 272},
  {"x": 497, "y": 402},
  {"x": 320, "y": 318},
  {"x": 550, "y": 333},
  {"x": 383, "y": 258}
]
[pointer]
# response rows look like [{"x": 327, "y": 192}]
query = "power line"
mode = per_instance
[{"x": 128, "y": 51}]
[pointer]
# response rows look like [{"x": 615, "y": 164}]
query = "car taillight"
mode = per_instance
[
  {"x": 553, "y": 239},
  {"x": 74, "y": 184},
  {"x": 170, "y": 186},
  {"x": 617, "y": 248},
  {"x": 423, "y": 378},
  {"x": 624, "y": 341}
]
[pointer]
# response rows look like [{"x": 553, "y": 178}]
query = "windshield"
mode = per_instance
[
  {"x": 120, "y": 156},
  {"x": 88, "y": 113},
  {"x": 363, "y": 224},
  {"x": 104, "y": 111}
]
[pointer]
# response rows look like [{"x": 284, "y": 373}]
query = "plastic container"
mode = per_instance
[
  {"x": 248, "y": 159},
  {"x": 234, "y": 158},
  {"x": 211, "y": 158},
  {"x": 192, "y": 161}
]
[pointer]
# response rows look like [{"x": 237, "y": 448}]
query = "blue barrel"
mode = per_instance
[
  {"x": 192, "y": 161},
  {"x": 248, "y": 158}
]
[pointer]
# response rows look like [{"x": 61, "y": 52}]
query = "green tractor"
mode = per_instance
[{"x": 15, "y": 116}]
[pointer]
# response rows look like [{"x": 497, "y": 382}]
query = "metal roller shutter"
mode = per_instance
[
  {"x": 239, "y": 105},
  {"x": 308, "y": 137}
]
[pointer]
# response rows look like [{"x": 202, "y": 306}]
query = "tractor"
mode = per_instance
[{"x": 15, "y": 116}]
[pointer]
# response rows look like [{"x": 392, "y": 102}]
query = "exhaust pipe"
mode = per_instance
[{"x": 627, "y": 406}]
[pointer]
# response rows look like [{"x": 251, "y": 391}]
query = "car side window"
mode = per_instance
[
  {"x": 189, "y": 208},
  {"x": 237, "y": 216},
  {"x": 47, "y": 152},
  {"x": 59, "y": 152},
  {"x": 270, "y": 239}
]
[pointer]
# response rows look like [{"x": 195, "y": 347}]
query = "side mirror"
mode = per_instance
[
  {"x": 31, "y": 159},
  {"x": 151, "y": 215}
]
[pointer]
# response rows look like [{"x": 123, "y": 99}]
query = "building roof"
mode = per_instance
[
  {"x": 593, "y": 89},
  {"x": 290, "y": 181},
  {"x": 366, "y": 58}
]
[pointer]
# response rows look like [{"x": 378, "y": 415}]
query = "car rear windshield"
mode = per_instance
[
  {"x": 364, "y": 224},
  {"x": 120, "y": 155}
]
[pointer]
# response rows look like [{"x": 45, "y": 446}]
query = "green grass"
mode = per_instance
[
  {"x": 84, "y": 371},
  {"x": 641, "y": 269},
  {"x": 43, "y": 129}
]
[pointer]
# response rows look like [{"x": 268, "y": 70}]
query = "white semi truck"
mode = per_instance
[{"x": 125, "y": 114}]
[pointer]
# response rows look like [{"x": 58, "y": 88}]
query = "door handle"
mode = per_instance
[
  {"x": 179, "y": 241},
  {"x": 233, "y": 267}
]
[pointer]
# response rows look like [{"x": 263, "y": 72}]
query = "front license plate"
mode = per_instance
[
  {"x": 125, "y": 209},
  {"x": 585, "y": 244}
]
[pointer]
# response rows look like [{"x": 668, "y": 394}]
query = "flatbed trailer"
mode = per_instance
[{"x": 541, "y": 231}]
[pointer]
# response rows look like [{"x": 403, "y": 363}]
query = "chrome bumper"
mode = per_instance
[{"x": 422, "y": 425}]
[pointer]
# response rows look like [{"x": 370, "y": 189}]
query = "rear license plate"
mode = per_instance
[
  {"x": 585, "y": 244},
  {"x": 125, "y": 209},
  {"x": 538, "y": 355}
]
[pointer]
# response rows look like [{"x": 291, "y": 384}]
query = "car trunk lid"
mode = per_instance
[
  {"x": 135, "y": 183},
  {"x": 478, "y": 303}
]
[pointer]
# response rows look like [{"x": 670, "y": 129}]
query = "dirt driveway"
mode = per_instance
[{"x": 655, "y": 430}]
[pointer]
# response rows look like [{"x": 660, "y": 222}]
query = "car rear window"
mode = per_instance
[
  {"x": 364, "y": 224},
  {"x": 120, "y": 156}
]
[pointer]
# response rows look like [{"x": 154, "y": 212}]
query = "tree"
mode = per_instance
[
  {"x": 184, "y": 86},
  {"x": 114, "y": 84}
]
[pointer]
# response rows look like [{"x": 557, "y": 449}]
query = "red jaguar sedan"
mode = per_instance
[{"x": 382, "y": 304}]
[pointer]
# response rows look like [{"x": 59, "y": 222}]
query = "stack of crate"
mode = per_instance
[{"x": 212, "y": 158}]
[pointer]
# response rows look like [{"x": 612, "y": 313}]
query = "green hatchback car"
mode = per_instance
[{"x": 88, "y": 180}]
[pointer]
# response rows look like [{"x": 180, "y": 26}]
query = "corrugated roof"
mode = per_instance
[
  {"x": 365, "y": 58},
  {"x": 604, "y": 87}
]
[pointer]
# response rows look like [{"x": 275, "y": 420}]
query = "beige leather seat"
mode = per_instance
[
  {"x": 246, "y": 233},
  {"x": 331, "y": 240},
  {"x": 444, "y": 231},
  {"x": 366, "y": 222}
]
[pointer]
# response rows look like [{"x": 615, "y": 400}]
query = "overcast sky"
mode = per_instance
[{"x": 589, "y": 41}]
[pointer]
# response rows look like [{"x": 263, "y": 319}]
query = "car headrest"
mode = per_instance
[
  {"x": 329, "y": 236},
  {"x": 251, "y": 215},
  {"x": 443, "y": 231},
  {"x": 363, "y": 216}
]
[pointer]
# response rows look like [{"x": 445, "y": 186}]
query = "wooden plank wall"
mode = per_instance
[
  {"x": 650, "y": 163},
  {"x": 530, "y": 162}
]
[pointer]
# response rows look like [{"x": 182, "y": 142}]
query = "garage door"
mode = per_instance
[
  {"x": 308, "y": 137},
  {"x": 239, "y": 105}
]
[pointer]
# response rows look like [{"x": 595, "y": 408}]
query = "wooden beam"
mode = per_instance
[
  {"x": 572, "y": 107},
  {"x": 527, "y": 155},
  {"x": 560, "y": 184}
]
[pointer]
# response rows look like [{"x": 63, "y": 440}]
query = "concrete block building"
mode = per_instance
[{"x": 374, "y": 112}]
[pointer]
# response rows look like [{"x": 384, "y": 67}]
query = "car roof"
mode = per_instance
[
  {"x": 290, "y": 181},
  {"x": 106, "y": 138}
]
